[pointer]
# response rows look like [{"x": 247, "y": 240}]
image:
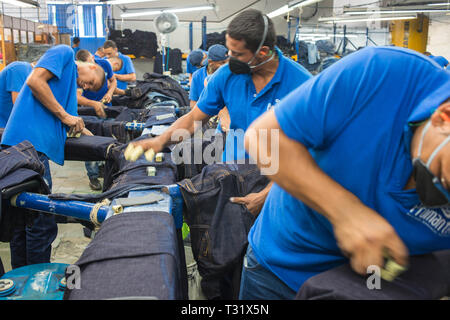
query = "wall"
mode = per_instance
[{"x": 439, "y": 36}]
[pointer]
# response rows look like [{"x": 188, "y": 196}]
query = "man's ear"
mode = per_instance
[{"x": 441, "y": 117}]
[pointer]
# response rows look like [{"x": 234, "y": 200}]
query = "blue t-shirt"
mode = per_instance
[
  {"x": 12, "y": 79},
  {"x": 127, "y": 68},
  {"x": 98, "y": 95},
  {"x": 354, "y": 119},
  {"x": 238, "y": 94},
  {"x": 198, "y": 83},
  {"x": 32, "y": 121},
  {"x": 75, "y": 50}
]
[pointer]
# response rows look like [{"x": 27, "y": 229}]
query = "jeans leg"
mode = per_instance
[
  {"x": 92, "y": 169},
  {"x": 258, "y": 283},
  {"x": 18, "y": 248},
  {"x": 42, "y": 233}
]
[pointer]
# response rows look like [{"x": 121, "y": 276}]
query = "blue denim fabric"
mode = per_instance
[
  {"x": 258, "y": 283},
  {"x": 92, "y": 169},
  {"x": 33, "y": 244}
]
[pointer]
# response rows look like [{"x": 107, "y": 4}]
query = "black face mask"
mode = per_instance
[
  {"x": 430, "y": 190},
  {"x": 239, "y": 67}
]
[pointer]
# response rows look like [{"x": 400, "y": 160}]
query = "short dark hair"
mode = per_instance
[
  {"x": 249, "y": 26},
  {"x": 99, "y": 48},
  {"x": 82, "y": 55},
  {"x": 75, "y": 40},
  {"x": 109, "y": 44}
]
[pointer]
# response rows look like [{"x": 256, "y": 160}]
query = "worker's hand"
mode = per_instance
[
  {"x": 99, "y": 110},
  {"x": 107, "y": 98},
  {"x": 76, "y": 124},
  {"x": 86, "y": 132},
  {"x": 253, "y": 201},
  {"x": 149, "y": 146},
  {"x": 365, "y": 237}
]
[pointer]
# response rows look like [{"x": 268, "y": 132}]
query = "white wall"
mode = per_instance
[{"x": 439, "y": 36}]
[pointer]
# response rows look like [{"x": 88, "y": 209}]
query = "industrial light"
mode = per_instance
[
  {"x": 291, "y": 6},
  {"x": 398, "y": 11},
  {"x": 439, "y": 4},
  {"x": 363, "y": 19},
  {"x": 155, "y": 12},
  {"x": 19, "y": 3},
  {"x": 114, "y": 2}
]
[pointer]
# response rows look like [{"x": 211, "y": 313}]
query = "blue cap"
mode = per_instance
[
  {"x": 195, "y": 57},
  {"x": 440, "y": 60},
  {"x": 217, "y": 52}
]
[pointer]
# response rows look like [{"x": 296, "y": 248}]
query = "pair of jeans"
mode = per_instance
[
  {"x": 218, "y": 227},
  {"x": 146, "y": 264},
  {"x": 92, "y": 168},
  {"x": 258, "y": 283},
  {"x": 427, "y": 278},
  {"x": 107, "y": 128},
  {"x": 32, "y": 244},
  {"x": 89, "y": 148},
  {"x": 18, "y": 164}
]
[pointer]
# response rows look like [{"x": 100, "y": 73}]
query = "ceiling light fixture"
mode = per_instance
[
  {"x": 155, "y": 12},
  {"x": 20, "y": 3},
  {"x": 291, "y": 6},
  {"x": 364, "y": 19}
]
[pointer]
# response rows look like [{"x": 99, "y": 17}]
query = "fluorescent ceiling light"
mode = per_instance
[
  {"x": 439, "y": 4},
  {"x": 19, "y": 3},
  {"x": 114, "y": 2},
  {"x": 363, "y": 19},
  {"x": 155, "y": 12},
  {"x": 398, "y": 11},
  {"x": 291, "y": 6}
]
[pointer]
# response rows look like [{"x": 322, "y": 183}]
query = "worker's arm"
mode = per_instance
[
  {"x": 130, "y": 77},
  {"x": 254, "y": 201},
  {"x": 98, "y": 106},
  {"x": 182, "y": 128},
  {"x": 361, "y": 233},
  {"x": 112, "y": 86},
  {"x": 38, "y": 83},
  {"x": 193, "y": 103},
  {"x": 14, "y": 96}
]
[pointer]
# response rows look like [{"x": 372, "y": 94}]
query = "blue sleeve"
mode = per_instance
[
  {"x": 129, "y": 68},
  {"x": 55, "y": 59},
  {"x": 106, "y": 66},
  {"x": 211, "y": 99},
  {"x": 318, "y": 110},
  {"x": 15, "y": 78},
  {"x": 190, "y": 68},
  {"x": 196, "y": 87}
]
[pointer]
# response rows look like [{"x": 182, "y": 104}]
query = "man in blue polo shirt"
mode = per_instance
[
  {"x": 217, "y": 57},
  {"x": 98, "y": 100},
  {"x": 346, "y": 190},
  {"x": 196, "y": 59},
  {"x": 255, "y": 79},
  {"x": 44, "y": 112},
  {"x": 12, "y": 79},
  {"x": 127, "y": 73}
]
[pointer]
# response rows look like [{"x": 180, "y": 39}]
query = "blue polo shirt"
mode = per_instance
[
  {"x": 354, "y": 118},
  {"x": 12, "y": 79},
  {"x": 238, "y": 94},
  {"x": 32, "y": 121},
  {"x": 198, "y": 83},
  {"x": 127, "y": 68},
  {"x": 75, "y": 50},
  {"x": 98, "y": 95}
]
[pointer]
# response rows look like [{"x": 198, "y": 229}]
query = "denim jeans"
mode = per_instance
[
  {"x": 258, "y": 283},
  {"x": 92, "y": 169},
  {"x": 32, "y": 244}
]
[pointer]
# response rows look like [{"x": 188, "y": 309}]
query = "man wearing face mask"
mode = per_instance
[
  {"x": 255, "y": 79},
  {"x": 364, "y": 172},
  {"x": 44, "y": 112}
]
